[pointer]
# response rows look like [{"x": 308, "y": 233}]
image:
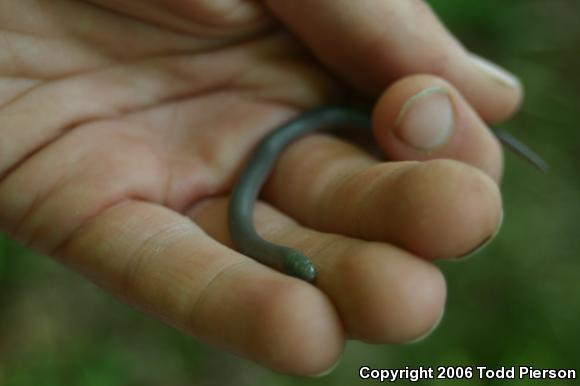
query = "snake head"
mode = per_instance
[{"x": 298, "y": 265}]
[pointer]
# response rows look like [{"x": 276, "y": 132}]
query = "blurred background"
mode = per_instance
[{"x": 516, "y": 303}]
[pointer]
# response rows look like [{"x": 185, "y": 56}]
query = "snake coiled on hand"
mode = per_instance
[{"x": 261, "y": 163}]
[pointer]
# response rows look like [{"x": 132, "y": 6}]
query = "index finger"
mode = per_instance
[{"x": 371, "y": 43}]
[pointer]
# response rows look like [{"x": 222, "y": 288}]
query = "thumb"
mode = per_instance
[{"x": 371, "y": 43}]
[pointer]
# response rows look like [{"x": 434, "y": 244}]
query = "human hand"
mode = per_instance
[{"x": 120, "y": 118}]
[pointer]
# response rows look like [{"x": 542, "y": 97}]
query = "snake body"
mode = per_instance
[{"x": 260, "y": 165}]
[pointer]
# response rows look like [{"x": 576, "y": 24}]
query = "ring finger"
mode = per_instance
[{"x": 382, "y": 293}]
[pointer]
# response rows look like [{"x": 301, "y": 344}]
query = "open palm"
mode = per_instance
[{"x": 121, "y": 122}]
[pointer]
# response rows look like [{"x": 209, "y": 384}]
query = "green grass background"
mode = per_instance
[{"x": 517, "y": 303}]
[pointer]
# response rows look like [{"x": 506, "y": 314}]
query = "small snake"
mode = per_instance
[{"x": 261, "y": 163}]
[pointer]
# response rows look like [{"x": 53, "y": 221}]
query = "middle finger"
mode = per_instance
[{"x": 435, "y": 209}]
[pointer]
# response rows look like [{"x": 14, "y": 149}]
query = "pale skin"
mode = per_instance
[{"x": 123, "y": 126}]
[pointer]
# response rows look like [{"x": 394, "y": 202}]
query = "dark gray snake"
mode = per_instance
[{"x": 261, "y": 163}]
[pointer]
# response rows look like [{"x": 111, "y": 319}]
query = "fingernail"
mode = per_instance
[
  {"x": 330, "y": 370},
  {"x": 483, "y": 245},
  {"x": 426, "y": 120},
  {"x": 496, "y": 73},
  {"x": 428, "y": 333}
]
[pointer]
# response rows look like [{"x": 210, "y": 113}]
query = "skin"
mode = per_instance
[{"x": 124, "y": 124}]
